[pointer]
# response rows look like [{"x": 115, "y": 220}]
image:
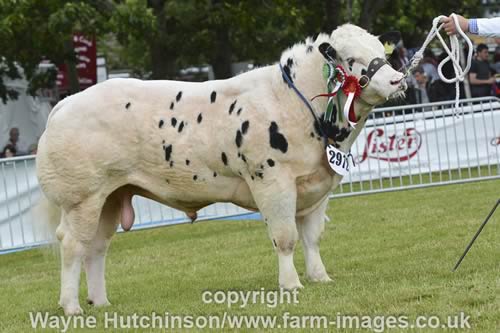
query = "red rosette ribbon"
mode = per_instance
[
  {"x": 351, "y": 89},
  {"x": 351, "y": 85}
]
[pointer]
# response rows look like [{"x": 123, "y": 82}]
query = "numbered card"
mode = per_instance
[{"x": 338, "y": 160}]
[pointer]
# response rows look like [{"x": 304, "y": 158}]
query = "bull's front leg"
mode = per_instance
[
  {"x": 276, "y": 200},
  {"x": 310, "y": 227}
]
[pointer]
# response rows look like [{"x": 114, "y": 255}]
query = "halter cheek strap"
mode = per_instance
[{"x": 373, "y": 68}]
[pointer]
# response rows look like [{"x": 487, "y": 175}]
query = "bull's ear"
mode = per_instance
[
  {"x": 328, "y": 52},
  {"x": 390, "y": 40}
]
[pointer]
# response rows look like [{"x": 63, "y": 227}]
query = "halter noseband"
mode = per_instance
[{"x": 373, "y": 68}]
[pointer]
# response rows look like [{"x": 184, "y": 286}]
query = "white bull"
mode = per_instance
[{"x": 249, "y": 140}]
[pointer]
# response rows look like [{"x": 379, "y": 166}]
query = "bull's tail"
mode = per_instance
[{"x": 46, "y": 216}]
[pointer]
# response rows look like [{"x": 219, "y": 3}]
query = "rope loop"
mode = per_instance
[{"x": 453, "y": 54}]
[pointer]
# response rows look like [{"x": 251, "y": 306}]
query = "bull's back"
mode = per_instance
[{"x": 127, "y": 130}]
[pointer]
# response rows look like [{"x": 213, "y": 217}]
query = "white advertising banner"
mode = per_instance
[{"x": 430, "y": 141}]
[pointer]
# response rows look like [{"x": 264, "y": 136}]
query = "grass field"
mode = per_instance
[{"x": 389, "y": 254}]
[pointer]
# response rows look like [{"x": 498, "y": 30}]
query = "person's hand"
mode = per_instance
[
  {"x": 449, "y": 24},
  {"x": 492, "y": 80}
]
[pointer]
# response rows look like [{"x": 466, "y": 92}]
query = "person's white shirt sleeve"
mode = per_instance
[{"x": 488, "y": 27}]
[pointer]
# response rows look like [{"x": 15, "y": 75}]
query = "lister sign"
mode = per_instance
[
  {"x": 86, "y": 55},
  {"x": 395, "y": 147}
]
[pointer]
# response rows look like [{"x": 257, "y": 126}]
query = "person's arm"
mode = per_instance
[
  {"x": 486, "y": 27},
  {"x": 474, "y": 80}
]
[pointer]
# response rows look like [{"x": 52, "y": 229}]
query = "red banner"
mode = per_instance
[{"x": 86, "y": 66}]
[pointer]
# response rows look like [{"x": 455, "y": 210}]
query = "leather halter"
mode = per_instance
[{"x": 373, "y": 68}]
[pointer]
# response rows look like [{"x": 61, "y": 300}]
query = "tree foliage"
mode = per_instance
[
  {"x": 155, "y": 38},
  {"x": 35, "y": 30}
]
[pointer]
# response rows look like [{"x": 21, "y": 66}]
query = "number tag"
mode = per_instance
[{"x": 338, "y": 160}]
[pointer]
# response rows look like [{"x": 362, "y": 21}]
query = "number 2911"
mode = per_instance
[{"x": 339, "y": 160}]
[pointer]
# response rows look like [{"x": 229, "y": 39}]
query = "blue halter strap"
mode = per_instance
[{"x": 306, "y": 102}]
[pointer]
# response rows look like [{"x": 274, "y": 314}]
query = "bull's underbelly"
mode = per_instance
[{"x": 184, "y": 195}]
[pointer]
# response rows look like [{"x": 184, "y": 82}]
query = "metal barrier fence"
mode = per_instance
[
  {"x": 425, "y": 145},
  {"x": 399, "y": 148}
]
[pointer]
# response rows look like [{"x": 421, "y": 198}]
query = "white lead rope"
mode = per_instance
[{"x": 453, "y": 55}]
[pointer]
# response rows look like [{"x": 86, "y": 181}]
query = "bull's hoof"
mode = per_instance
[
  {"x": 321, "y": 279},
  {"x": 98, "y": 303},
  {"x": 73, "y": 310},
  {"x": 291, "y": 286}
]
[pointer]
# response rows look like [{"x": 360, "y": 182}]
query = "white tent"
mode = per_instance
[{"x": 26, "y": 113}]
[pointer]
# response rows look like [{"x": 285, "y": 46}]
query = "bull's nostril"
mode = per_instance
[{"x": 394, "y": 82}]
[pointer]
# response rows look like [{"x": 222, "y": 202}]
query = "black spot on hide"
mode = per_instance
[
  {"x": 239, "y": 139},
  {"x": 200, "y": 118},
  {"x": 244, "y": 127},
  {"x": 270, "y": 162},
  {"x": 231, "y": 107},
  {"x": 213, "y": 96},
  {"x": 224, "y": 158},
  {"x": 276, "y": 139},
  {"x": 168, "y": 152},
  {"x": 174, "y": 122},
  {"x": 332, "y": 131},
  {"x": 179, "y": 96},
  {"x": 160, "y": 124},
  {"x": 181, "y": 126}
]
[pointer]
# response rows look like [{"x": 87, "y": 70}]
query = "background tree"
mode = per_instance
[
  {"x": 414, "y": 18},
  {"x": 36, "y": 30},
  {"x": 156, "y": 38}
]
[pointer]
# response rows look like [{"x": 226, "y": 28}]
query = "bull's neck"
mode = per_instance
[{"x": 306, "y": 73}]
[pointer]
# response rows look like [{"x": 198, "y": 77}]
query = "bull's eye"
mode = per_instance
[{"x": 350, "y": 61}]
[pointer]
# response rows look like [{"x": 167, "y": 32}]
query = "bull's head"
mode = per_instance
[{"x": 364, "y": 55}]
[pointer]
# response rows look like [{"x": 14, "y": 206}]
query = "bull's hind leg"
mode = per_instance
[
  {"x": 276, "y": 200},
  {"x": 310, "y": 228},
  {"x": 78, "y": 227},
  {"x": 96, "y": 254}
]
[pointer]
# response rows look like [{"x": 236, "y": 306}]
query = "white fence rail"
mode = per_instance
[
  {"x": 425, "y": 145},
  {"x": 399, "y": 148}
]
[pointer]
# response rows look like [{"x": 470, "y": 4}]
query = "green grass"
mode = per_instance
[{"x": 388, "y": 253}]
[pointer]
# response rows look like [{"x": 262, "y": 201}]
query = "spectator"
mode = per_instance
[
  {"x": 20, "y": 147},
  {"x": 426, "y": 91},
  {"x": 429, "y": 65},
  {"x": 496, "y": 60},
  {"x": 447, "y": 90},
  {"x": 8, "y": 151},
  {"x": 422, "y": 86},
  {"x": 481, "y": 80},
  {"x": 33, "y": 149}
]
